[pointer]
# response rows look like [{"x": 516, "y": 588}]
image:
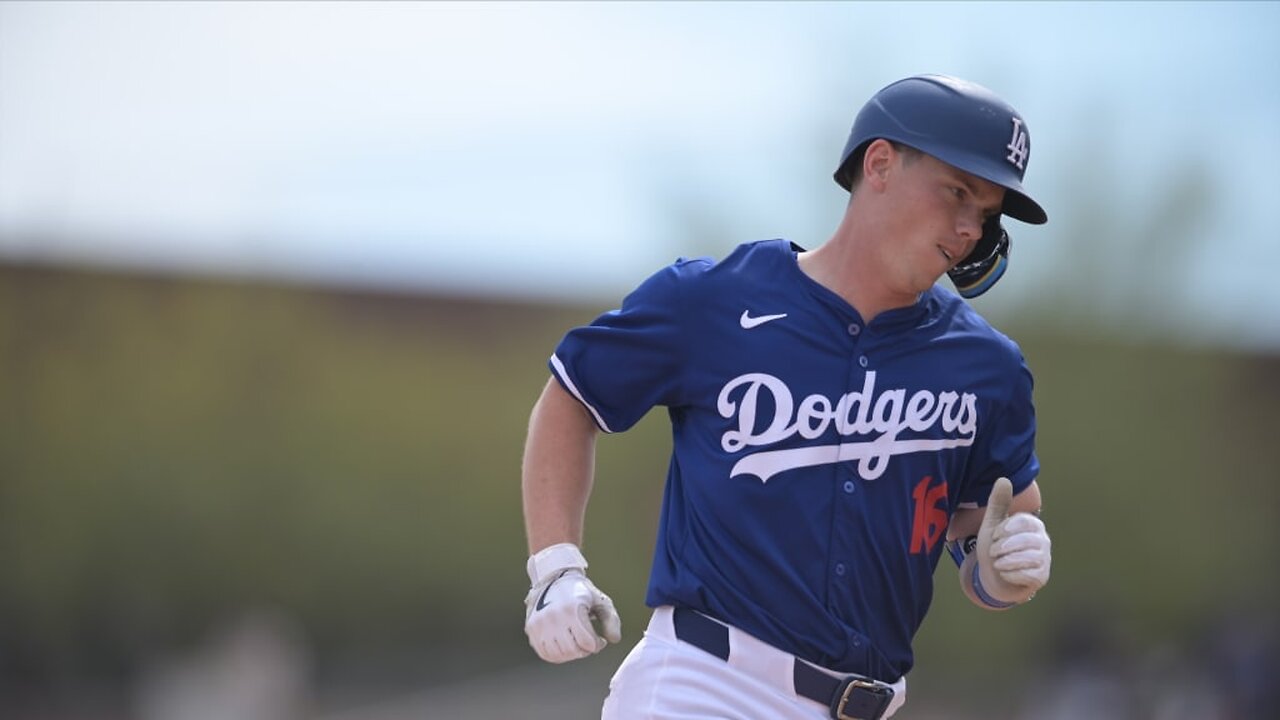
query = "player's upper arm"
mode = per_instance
[{"x": 632, "y": 358}]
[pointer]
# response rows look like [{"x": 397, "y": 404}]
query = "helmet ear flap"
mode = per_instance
[{"x": 978, "y": 271}]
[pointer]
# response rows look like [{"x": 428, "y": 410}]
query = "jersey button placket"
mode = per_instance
[
  {"x": 856, "y": 377},
  {"x": 840, "y": 570}
]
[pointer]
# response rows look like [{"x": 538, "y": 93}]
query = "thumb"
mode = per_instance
[
  {"x": 998, "y": 504},
  {"x": 997, "y": 511},
  {"x": 605, "y": 614}
]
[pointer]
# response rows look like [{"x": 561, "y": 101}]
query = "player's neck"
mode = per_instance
[{"x": 849, "y": 269}]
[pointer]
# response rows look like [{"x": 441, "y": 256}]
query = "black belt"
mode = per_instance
[{"x": 852, "y": 697}]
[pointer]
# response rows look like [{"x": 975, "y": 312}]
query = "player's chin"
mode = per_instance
[
  {"x": 931, "y": 278},
  {"x": 928, "y": 272}
]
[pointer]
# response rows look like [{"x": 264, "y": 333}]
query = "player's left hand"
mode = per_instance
[
  {"x": 1020, "y": 551},
  {"x": 1013, "y": 550}
]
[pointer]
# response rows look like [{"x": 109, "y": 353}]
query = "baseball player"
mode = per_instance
[{"x": 838, "y": 419}]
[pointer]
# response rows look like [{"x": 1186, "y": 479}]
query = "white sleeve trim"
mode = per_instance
[{"x": 564, "y": 377}]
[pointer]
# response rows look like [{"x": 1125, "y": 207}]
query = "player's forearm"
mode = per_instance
[{"x": 558, "y": 467}]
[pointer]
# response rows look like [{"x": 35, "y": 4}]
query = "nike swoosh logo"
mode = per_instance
[
  {"x": 747, "y": 322},
  {"x": 542, "y": 599}
]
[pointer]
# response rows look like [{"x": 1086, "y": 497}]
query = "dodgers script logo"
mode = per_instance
[{"x": 871, "y": 421}]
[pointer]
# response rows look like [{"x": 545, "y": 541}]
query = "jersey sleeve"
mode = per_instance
[
  {"x": 1007, "y": 446},
  {"x": 630, "y": 359}
]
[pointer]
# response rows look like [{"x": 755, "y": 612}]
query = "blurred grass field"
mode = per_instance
[{"x": 175, "y": 452}]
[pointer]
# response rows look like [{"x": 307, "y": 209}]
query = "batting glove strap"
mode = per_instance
[
  {"x": 985, "y": 596},
  {"x": 553, "y": 560}
]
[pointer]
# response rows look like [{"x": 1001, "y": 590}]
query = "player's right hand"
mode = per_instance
[{"x": 562, "y": 605}]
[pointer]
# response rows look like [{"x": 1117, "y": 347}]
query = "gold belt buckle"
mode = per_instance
[{"x": 882, "y": 696}]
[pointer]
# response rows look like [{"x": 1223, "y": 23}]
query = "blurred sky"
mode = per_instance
[{"x": 569, "y": 149}]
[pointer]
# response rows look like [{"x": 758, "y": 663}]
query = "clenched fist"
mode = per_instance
[{"x": 562, "y": 605}]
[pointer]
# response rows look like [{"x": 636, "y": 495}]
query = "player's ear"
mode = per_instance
[{"x": 876, "y": 162}]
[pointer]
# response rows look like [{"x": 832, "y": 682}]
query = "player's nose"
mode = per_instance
[
  {"x": 969, "y": 231},
  {"x": 969, "y": 227}
]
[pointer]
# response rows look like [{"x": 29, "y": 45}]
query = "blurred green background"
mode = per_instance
[
  {"x": 279, "y": 281},
  {"x": 178, "y": 455}
]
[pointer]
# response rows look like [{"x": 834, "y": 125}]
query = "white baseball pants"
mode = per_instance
[{"x": 663, "y": 678}]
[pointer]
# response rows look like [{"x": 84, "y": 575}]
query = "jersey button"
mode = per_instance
[
  {"x": 854, "y": 329},
  {"x": 862, "y": 360},
  {"x": 840, "y": 569},
  {"x": 848, "y": 486}
]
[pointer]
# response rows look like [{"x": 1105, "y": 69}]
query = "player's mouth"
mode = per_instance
[{"x": 951, "y": 260}]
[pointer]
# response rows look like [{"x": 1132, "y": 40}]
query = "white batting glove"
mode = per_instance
[
  {"x": 1013, "y": 551},
  {"x": 562, "y": 604}
]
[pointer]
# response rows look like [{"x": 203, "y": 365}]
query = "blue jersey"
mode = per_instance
[{"x": 816, "y": 459}]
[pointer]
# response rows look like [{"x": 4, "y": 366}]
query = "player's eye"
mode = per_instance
[{"x": 958, "y": 192}]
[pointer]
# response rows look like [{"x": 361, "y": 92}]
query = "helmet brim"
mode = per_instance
[
  {"x": 1019, "y": 206},
  {"x": 1017, "y": 203}
]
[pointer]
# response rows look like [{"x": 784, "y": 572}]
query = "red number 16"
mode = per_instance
[{"x": 930, "y": 520}]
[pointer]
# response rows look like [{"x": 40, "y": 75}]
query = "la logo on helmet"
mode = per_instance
[{"x": 1018, "y": 145}]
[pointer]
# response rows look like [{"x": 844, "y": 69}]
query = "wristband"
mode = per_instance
[
  {"x": 982, "y": 593},
  {"x": 960, "y": 548}
]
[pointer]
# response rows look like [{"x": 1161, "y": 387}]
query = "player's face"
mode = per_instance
[{"x": 937, "y": 213}]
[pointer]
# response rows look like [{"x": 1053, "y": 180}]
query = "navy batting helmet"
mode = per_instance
[{"x": 964, "y": 125}]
